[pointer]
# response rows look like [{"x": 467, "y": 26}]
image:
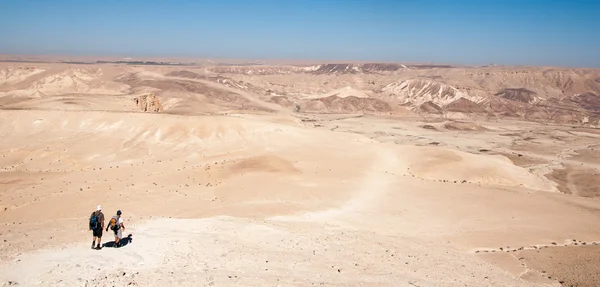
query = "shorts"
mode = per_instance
[
  {"x": 119, "y": 233},
  {"x": 97, "y": 232}
]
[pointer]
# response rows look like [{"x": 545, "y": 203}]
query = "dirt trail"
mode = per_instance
[
  {"x": 369, "y": 190},
  {"x": 557, "y": 162}
]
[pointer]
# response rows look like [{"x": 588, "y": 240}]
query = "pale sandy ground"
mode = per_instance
[{"x": 268, "y": 200}]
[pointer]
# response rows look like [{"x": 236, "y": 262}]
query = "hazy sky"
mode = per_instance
[{"x": 512, "y": 32}]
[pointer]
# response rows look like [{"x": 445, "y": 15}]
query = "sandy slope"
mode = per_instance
[
  {"x": 247, "y": 199},
  {"x": 224, "y": 251}
]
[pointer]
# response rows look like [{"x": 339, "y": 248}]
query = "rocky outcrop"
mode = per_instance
[
  {"x": 503, "y": 108},
  {"x": 148, "y": 103},
  {"x": 518, "y": 95},
  {"x": 368, "y": 68},
  {"x": 419, "y": 91},
  {"x": 588, "y": 101},
  {"x": 383, "y": 67},
  {"x": 463, "y": 105},
  {"x": 337, "y": 69},
  {"x": 430, "y": 108}
]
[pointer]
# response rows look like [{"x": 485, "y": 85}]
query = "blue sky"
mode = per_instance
[{"x": 510, "y": 32}]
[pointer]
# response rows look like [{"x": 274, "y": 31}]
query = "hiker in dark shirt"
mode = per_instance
[{"x": 97, "y": 225}]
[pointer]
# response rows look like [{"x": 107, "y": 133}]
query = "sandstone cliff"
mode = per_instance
[{"x": 148, "y": 103}]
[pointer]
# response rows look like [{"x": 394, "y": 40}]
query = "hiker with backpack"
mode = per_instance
[
  {"x": 117, "y": 226},
  {"x": 97, "y": 225}
]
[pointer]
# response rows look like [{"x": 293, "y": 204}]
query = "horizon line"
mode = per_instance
[{"x": 49, "y": 57}]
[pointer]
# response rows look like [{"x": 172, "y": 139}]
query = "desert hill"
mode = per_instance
[
  {"x": 519, "y": 95},
  {"x": 419, "y": 91},
  {"x": 567, "y": 96},
  {"x": 529, "y": 90}
]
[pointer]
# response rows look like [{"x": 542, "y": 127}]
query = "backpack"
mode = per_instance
[
  {"x": 94, "y": 224},
  {"x": 113, "y": 224}
]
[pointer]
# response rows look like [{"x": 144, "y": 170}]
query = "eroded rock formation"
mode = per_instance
[{"x": 148, "y": 103}]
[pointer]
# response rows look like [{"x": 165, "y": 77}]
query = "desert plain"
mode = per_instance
[{"x": 351, "y": 174}]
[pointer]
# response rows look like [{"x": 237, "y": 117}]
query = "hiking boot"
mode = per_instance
[{"x": 93, "y": 244}]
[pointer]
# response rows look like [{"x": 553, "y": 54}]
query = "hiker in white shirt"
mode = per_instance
[{"x": 117, "y": 226}]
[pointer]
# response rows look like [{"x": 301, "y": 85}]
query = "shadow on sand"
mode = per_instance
[{"x": 123, "y": 242}]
